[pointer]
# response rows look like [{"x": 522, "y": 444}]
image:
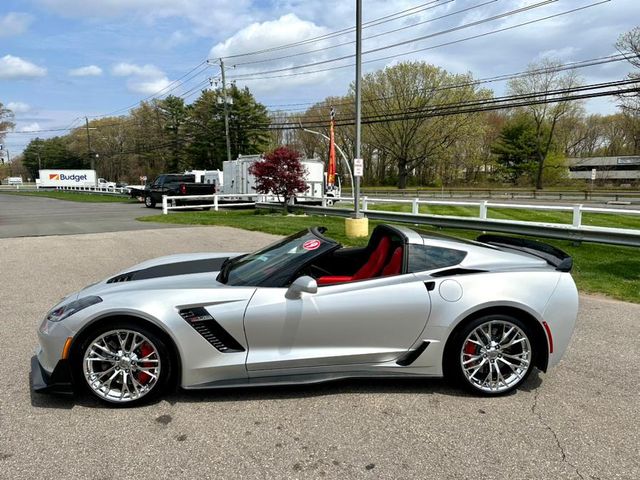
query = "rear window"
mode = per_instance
[
  {"x": 180, "y": 178},
  {"x": 427, "y": 257}
]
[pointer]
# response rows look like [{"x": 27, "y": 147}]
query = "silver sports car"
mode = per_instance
[{"x": 306, "y": 310}]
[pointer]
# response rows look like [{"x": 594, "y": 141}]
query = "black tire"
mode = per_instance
[
  {"x": 490, "y": 360},
  {"x": 149, "y": 202},
  {"x": 164, "y": 366}
]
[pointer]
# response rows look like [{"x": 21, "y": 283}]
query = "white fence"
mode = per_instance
[
  {"x": 112, "y": 190},
  {"x": 30, "y": 187},
  {"x": 484, "y": 205},
  {"x": 210, "y": 201}
]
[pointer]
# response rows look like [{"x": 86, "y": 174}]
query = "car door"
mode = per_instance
[
  {"x": 156, "y": 188},
  {"x": 364, "y": 322}
]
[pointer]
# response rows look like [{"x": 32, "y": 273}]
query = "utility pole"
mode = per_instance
[
  {"x": 358, "y": 102},
  {"x": 38, "y": 153},
  {"x": 91, "y": 159},
  {"x": 226, "y": 110}
]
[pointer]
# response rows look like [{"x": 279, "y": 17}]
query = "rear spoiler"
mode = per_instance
[{"x": 552, "y": 255}]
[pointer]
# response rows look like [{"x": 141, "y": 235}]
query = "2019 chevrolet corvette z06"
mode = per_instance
[{"x": 410, "y": 304}]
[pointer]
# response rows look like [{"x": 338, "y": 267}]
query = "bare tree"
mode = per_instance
[
  {"x": 6, "y": 121},
  {"x": 629, "y": 45},
  {"x": 417, "y": 141},
  {"x": 542, "y": 78}
]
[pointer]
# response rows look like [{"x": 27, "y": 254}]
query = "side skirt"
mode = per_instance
[{"x": 305, "y": 379}]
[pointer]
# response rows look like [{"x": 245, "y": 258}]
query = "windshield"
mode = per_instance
[{"x": 274, "y": 265}]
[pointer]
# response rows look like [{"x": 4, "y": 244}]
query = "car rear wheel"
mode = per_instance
[
  {"x": 491, "y": 355},
  {"x": 124, "y": 364},
  {"x": 148, "y": 202}
]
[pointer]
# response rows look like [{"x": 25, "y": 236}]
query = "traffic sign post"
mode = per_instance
[{"x": 358, "y": 167}]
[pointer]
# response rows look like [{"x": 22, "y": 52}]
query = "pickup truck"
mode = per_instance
[{"x": 174, "y": 184}]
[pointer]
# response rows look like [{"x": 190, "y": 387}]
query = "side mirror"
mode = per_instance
[{"x": 301, "y": 284}]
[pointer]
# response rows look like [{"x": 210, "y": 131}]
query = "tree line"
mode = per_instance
[{"x": 526, "y": 145}]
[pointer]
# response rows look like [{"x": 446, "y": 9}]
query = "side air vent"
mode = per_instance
[
  {"x": 203, "y": 323},
  {"x": 125, "y": 277},
  {"x": 456, "y": 271}
]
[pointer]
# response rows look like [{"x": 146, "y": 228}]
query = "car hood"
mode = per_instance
[{"x": 185, "y": 271}]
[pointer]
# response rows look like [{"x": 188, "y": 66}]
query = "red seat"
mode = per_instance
[
  {"x": 394, "y": 267},
  {"x": 370, "y": 269}
]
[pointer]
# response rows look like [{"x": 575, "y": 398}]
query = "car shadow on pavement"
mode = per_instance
[{"x": 404, "y": 386}]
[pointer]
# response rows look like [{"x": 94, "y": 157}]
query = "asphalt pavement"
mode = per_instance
[
  {"x": 580, "y": 420},
  {"x": 26, "y": 216}
]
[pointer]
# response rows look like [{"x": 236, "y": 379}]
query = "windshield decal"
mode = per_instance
[{"x": 311, "y": 244}]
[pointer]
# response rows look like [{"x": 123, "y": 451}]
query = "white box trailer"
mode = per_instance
[
  {"x": 238, "y": 180},
  {"x": 54, "y": 178},
  {"x": 214, "y": 177}
]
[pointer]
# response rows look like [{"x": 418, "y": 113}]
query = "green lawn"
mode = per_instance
[
  {"x": 601, "y": 269},
  {"x": 76, "y": 196}
]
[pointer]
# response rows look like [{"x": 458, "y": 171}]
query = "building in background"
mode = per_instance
[{"x": 616, "y": 170}]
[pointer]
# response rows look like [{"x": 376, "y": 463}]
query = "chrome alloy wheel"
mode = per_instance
[
  {"x": 495, "y": 356},
  {"x": 121, "y": 365}
]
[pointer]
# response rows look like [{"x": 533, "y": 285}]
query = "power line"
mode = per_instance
[
  {"x": 398, "y": 44},
  {"x": 371, "y": 23},
  {"x": 465, "y": 39},
  {"x": 351, "y": 42},
  {"x": 497, "y": 78},
  {"x": 176, "y": 84},
  {"x": 473, "y": 106}
]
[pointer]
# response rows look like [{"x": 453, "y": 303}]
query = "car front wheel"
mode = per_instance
[
  {"x": 148, "y": 202},
  {"x": 124, "y": 364},
  {"x": 491, "y": 355}
]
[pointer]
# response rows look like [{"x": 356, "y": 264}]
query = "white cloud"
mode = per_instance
[
  {"x": 148, "y": 87},
  {"x": 131, "y": 69},
  {"x": 264, "y": 35},
  {"x": 15, "y": 67},
  {"x": 14, "y": 23},
  {"x": 88, "y": 71},
  {"x": 19, "y": 107},
  {"x": 147, "y": 79},
  {"x": 31, "y": 127}
]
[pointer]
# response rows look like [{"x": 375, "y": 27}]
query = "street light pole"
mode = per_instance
[
  {"x": 91, "y": 159},
  {"x": 226, "y": 110},
  {"x": 344, "y": 157},
  {"x": 358, "y": 102}
]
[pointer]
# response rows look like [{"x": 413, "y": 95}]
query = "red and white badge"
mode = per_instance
[{"x": 311, "y": 244}]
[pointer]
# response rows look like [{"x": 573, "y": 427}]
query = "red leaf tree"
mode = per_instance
[{"x": 280, "y": 173}]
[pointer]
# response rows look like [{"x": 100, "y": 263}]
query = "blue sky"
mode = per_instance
[{"x": 63, "y": 59}]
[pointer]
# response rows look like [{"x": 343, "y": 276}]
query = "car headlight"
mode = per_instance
[{"x": 68, "y": 309}]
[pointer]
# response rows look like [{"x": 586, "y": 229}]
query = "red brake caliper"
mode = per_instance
[
  {"x": 470, "y": 349},
  {"x": 145, "y": 349}
]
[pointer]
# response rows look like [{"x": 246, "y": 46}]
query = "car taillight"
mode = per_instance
[{"x": 183, "y": 189}]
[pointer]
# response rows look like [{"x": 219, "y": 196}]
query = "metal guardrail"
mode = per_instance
[
  {"x": 587, "y": 195},
  {"x": 575, "y": 231}
]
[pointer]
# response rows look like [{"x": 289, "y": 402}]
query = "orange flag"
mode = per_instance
[{"x": 331, "y": 172}]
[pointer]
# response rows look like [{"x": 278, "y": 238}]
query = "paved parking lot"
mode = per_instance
[
  {"x": 25, "y": 216},
  {"x": 578, "y": 421}
]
